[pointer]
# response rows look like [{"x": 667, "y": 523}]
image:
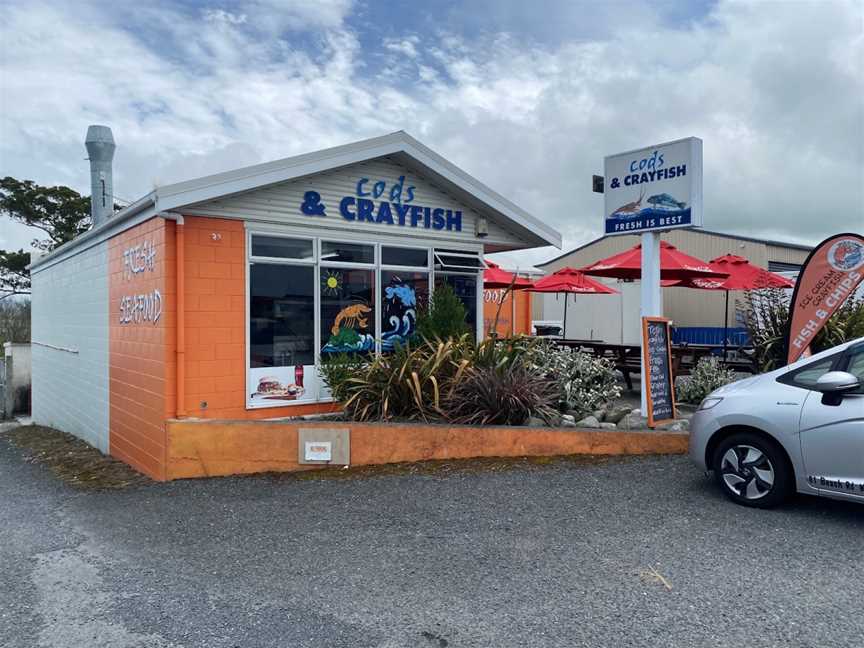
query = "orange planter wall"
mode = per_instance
[{"x": 211, "y": 448}]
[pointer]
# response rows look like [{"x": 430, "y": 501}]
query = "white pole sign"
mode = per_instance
[{"x": 655, "y": 188}]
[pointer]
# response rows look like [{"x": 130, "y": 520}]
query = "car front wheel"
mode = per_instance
[{"x": 752, "y": 471}]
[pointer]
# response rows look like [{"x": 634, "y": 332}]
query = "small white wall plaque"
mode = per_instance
[
  {"x": 318, "y": 451},
  {"x": 320, "y": 445}
]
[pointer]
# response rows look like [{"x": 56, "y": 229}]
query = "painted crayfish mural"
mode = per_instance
[{"x": 351, "y": 330}]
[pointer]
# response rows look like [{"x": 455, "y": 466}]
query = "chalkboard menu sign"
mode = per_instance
[{"x": 659, "y": 381}]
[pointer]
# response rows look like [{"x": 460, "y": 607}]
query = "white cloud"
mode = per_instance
[
  {"x": 220, "y": 15},
  {"x": 405, "y": 46},
  {"x": 775, "y": 91}
]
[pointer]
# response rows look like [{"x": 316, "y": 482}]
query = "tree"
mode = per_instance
[
  {"x": 445, "y": 316},
  {"x": 62, "y": 213},
  {"x": 14, "y": 320}
]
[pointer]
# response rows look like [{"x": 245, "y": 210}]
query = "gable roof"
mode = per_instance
[
  {"x": 399, "y": 145},
  {"x": 736, "y": 237}
]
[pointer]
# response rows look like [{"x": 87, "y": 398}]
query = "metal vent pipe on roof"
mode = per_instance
[{"x": 100, "y": 148}]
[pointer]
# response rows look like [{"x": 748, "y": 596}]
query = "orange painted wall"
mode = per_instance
[
  {"x": 141, "y": 362},
  {"x": 523, "y": 312},
  {"x": 215, "y": 309},
  {"x": 211, "y": 448}
]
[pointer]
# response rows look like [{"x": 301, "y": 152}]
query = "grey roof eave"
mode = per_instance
[{"x": 181, "y": 194}]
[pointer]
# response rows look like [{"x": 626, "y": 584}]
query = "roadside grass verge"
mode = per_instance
[
  {"x": 83, "y": 467},
  {"x": 72, "y": 461}
]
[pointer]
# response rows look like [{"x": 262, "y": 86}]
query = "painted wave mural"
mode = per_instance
[{"x": 401, "y": 306}]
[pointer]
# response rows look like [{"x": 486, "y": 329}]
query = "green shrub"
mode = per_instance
[
  {"x": 766, "y": 317},
  {"x": 419, "y": 381},
  {"x": 708, "y": 374},
  {"x": 444, "y": 317},
  {"x": 500, "y": 352},
  {"x": 583, "y": 382},
  {"x": 766, "y": 314},
  {"x": 336, "y": 369},
  {"x": 409, "y": 383},
  {"x": 505, "y": 395},
  {"x": 844, "y": 325}
]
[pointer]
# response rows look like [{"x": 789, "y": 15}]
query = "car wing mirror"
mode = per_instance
[{"x": 836, "y": 382}]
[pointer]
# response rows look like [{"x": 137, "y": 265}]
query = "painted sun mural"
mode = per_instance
[{"x": 331, "y": 283}]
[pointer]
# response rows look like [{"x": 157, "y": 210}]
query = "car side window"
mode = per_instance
[
  {"x": 807, "y": 376},
  {"x": 855, "y": 366}
]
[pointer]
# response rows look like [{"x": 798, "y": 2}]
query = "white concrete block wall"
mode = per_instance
[{"x": 70, "y": 346}]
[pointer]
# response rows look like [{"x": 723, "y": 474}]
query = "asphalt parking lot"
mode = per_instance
[{"x": 629, "y": 552}]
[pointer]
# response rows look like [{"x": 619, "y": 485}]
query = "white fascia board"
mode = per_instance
[
  {"x": 141, "y": 210},
  {"x": 212, "y": 187},
  {"x": 270, "y": 173}
]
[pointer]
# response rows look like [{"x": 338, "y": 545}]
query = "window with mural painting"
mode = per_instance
[
  {"x": 347, "y": 310},
  {"x": 403, "y": 292},
  {"x": 311, "y": 298}
]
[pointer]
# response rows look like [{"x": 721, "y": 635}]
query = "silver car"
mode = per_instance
[{"x": 799, "y": 428}]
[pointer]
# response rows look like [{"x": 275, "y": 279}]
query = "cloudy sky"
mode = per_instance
[{"x": 526, "y": 96}]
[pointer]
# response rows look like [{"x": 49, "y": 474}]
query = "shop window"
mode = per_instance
[
  {"x": 347, "y": 310},
  {"x": 411, "y": 257},
  {"x": 403, "y": 294},
  {"x": 458, "y": 260},
  {"x": 281, "y": 334},
  {"x": 465, "y": 287},
  {"x": 278, "y": 247},
  {"x": 335, "y": 252},
  {"x": 281, "y": 315}
]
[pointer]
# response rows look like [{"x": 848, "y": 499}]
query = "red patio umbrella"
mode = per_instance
[
  {"x": 570, "y": 280},
  {"x": 674, "y": 264},
  {"x": 742, "y": 275},
  {"x": 494, "y": 277}
]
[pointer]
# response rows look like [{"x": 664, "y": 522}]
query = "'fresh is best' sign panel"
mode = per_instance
[{"x": 655, "y": 188}]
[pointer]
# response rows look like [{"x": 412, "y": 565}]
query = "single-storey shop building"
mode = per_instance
[{"x": 216, "y": 298}]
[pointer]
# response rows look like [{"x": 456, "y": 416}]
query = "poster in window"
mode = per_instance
[
  {"x": 274, "y": 386},
  {"x": 347, "y": 314}
]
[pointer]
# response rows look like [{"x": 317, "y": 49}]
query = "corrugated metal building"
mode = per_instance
[{"x": 615, "y": 318}]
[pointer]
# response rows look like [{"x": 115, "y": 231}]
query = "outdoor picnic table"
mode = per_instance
[
  {"x": 628, "y": 357},
  {"x": 741, "y": 354}
]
